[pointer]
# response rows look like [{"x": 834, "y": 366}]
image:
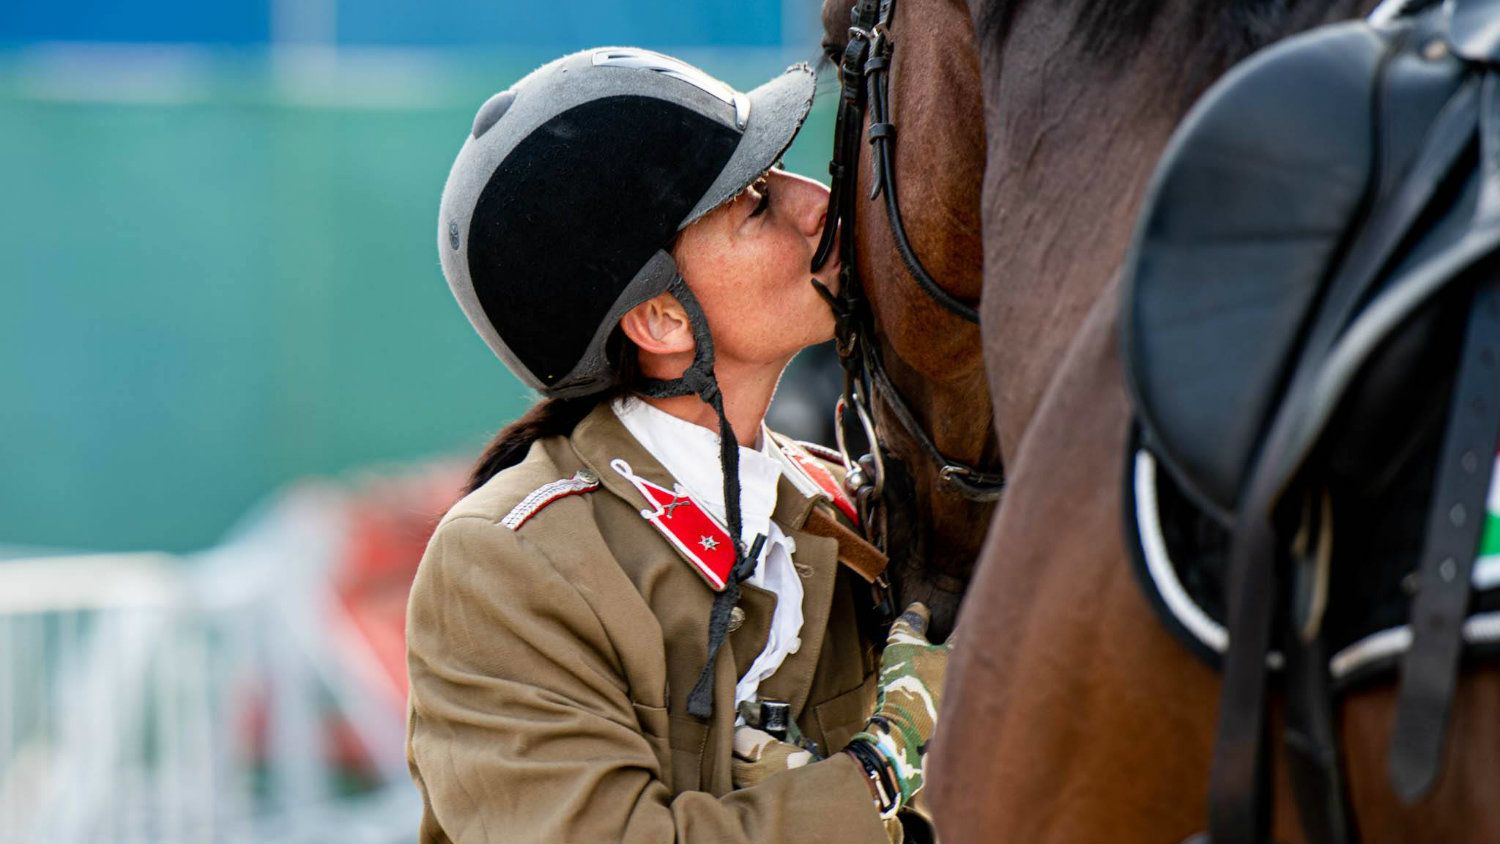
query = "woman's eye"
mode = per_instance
[{"x": 765, "y": 200}]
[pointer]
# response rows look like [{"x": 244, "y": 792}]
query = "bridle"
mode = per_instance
[{"x": 864, "y": 71}]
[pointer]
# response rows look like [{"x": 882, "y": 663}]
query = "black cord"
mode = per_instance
[{"x": 698, "y": 379}]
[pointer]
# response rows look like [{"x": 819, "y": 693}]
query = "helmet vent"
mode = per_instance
[
  {"x": 493, "y": 109},
  {"x": 646, "y": 60}
]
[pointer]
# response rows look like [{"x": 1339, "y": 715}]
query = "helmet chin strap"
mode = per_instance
[{"x": 698, "y": 380}]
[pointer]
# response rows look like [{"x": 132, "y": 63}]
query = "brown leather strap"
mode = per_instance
[{"x": 860, "y": 556}]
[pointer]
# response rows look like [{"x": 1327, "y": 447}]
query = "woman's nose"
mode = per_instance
[{"x": 807, "y": 200}]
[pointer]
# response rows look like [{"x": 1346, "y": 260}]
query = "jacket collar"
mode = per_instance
[
  {"x": 601, "y": 438},
  {"x": 691, "y": 454}
]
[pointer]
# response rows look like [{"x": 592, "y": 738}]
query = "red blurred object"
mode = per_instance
[{"x": 390, "y": 519}]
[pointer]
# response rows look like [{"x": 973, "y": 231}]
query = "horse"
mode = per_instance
[
  {"x": 1071, "y": 713},
  {"x": 931, "y": 356}
]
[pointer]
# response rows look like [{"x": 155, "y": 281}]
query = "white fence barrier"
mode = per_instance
[{"x": 218, "y": 698}]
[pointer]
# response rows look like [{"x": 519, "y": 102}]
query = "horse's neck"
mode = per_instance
[{"x": 1072, "y": 141}]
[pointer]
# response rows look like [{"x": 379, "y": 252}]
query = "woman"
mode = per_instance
[{"x": 642, "y": 574}]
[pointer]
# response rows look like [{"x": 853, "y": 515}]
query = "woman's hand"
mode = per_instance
[
  {"x": 906, "y": 708},
  {"x": 758, "y": 755}
]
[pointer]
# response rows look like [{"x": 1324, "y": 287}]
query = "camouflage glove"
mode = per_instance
[
  {"x": 906, "y": 707},
  {"x": 758, "y": 755}
]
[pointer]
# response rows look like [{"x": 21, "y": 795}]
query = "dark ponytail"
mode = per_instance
[
  {"x": 546, "y": 418},
  {"x": 555, "y": 417}
]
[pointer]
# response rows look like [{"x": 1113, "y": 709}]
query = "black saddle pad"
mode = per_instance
[
  {"x": 1178, "y": 555},
  {"x": 1256, "y": 202},
  {"x": 1298, "y": 172}
]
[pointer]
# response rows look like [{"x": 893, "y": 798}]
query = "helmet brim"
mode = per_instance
[{"x": 777, "y": 112}]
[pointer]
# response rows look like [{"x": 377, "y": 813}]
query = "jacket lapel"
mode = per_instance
[
  {"x": 602, "y": 442},
  {"x": 628, "y": 470},
  {"x": 816, "y": 560}
]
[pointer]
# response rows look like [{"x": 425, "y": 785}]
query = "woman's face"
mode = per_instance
[{"x": 747, "y": 263}]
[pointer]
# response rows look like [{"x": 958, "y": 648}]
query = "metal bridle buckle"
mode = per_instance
[
  {"x": 851, "y": 466},
  {"x": 950, "y": 472}
]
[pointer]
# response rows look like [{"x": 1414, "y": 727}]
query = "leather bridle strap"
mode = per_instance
[
  {"x": 851, "y": 115},
  {"x": 864, "y": 76},
  {"x": 882, "y": 134},
  {"x": 973, "y": 483}
]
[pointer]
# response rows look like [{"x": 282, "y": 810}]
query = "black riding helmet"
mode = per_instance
[
  {"x": 559, "y": 210},
  {"x": 572, "y": 183}
]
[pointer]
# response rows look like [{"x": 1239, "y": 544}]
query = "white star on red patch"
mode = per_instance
[{"x": 708, "y": 543}]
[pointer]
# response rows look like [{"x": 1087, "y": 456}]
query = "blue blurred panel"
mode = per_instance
[
  {"x": 572, "y": 24},
  {"x": 225, "y": 286},
  {"x": 219, "y": 22}
]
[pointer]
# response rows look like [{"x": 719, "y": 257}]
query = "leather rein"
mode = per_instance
[{"x": 864, "y": 72}]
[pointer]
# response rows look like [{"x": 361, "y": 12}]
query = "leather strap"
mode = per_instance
[
  {"x": 1429, "y": 671},
  {"x": 1396, "y": 212},
  {"x": 1312, "y": 742},
  {"x": 864, "y": 71},
  {"x": 971, "y": 482},
  {"x": 855, "y": 553},
  {"x": 699, "y": 380},
  {"x": 883, "y": 152},
  {"x": 1238, "y": 786}
]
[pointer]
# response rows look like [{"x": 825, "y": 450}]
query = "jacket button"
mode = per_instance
[
  {"x": 804, "y": 570},
  {"x": 736, "y": 618}
]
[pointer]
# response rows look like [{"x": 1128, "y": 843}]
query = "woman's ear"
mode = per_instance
[{"x": 659, "y": 326}]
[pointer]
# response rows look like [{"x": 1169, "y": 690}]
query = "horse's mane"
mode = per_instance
[{"x": 1214, "y": 34}]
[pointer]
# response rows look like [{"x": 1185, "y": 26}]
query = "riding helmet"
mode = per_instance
[{"x": 572, "y": 184}]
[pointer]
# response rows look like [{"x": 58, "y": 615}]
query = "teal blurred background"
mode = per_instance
[{"x": 218, "y": 241}]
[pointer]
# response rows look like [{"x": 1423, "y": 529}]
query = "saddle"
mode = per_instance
[{"x": 1311, "y": 330}]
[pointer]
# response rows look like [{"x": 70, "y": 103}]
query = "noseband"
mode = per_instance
[{"x": 864, "y": 73}]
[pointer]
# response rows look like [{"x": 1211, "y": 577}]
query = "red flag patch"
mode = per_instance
[
  {"x": 822, "y": 478},
  {"x": 692, "y": 530}
]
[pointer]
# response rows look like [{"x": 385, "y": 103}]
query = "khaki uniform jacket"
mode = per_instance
[{"x": 550, "y": 667}]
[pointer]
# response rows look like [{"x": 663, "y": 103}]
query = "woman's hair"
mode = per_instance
[{"x": 556, "y": 417}]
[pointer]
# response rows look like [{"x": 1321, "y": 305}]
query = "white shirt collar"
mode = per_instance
[{"x": 690, "y": 453}]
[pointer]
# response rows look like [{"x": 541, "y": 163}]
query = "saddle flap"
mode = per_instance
[{"x": 1245, "y": 216}]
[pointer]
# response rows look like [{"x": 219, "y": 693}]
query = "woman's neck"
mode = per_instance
[{"x": 747, "y": 392}]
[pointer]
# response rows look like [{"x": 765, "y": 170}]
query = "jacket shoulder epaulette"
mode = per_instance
[
  {"x": 516, "y": 495},
  {"x": 581, "y": 482}
]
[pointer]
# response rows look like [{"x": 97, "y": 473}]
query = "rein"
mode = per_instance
[{"x": 864, "y": 72}]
